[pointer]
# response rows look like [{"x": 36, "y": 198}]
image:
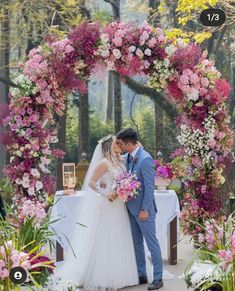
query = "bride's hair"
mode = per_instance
[{"x": 106, "y": 144}]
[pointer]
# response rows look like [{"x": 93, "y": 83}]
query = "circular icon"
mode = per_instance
[
  {"x": 212, "y": 17},
  {"x": 18, "y": 275}
]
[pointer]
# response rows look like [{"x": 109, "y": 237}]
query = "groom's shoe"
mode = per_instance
[
  {"x": 156, "y": 284},
  {"x": 143, "y": 280}
]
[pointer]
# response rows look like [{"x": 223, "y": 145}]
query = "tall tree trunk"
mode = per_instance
[
  {"x": 109, "y": 98},
  {"x": 61, "y": 125},
  {"x": 83, "y": 125},
  {"x": 159, "y": 128},
  {"x": 117, "y": 102},
  {"x": 114, "y": 83},
  {"x": 4, "y": 72},
  {"x": 83, "y": 109}
]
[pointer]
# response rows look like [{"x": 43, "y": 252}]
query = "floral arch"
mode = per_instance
[{"x": 182, "y": 71}]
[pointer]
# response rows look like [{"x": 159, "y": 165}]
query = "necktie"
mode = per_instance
[{"x": 130, "y": 162}]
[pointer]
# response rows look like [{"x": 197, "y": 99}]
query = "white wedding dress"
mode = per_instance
[{"x": 105, "y": 258}]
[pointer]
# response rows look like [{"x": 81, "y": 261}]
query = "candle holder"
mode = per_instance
[{"x": 69, "y": 178}]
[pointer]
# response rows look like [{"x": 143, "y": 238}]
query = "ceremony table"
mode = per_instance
[{"x": 166, "y": 221}]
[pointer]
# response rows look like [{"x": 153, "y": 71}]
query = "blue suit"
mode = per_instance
[{"x": 143, "y": 167}]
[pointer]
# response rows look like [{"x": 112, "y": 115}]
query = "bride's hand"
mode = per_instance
[{"x": 112, "y": 196}]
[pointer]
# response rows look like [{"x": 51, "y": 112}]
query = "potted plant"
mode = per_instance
[
  {"x": 163, "y": 174},
  {"x": 215, "y": 267}
]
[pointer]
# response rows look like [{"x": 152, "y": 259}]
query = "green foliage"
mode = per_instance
[
  {"x": 72, "y": 133},
  {"x": 6, "y": 190},
  {"x": 144, "y": 118},
  {"x": 98, "y": 129},
  {"x": 42, "y": 234},
  {"x": 27, "y": 234},
  {"x": 102, "y": 16}
]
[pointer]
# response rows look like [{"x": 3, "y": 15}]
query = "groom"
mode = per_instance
[{"x": 142, "y": 210}]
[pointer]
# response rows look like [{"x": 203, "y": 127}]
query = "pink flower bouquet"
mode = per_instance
[{"x": 126, "y": 186}]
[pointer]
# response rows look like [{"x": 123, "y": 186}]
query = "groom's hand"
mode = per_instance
[{"x": 143, "y": 215}]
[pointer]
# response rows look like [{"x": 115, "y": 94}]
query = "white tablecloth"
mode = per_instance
[{"x": 65, "y": 206}]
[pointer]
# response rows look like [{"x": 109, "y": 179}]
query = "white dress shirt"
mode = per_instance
[{"x": 134, "y": 152}]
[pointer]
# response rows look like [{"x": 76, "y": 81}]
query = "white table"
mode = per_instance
[{"x": 166, "y": 220}]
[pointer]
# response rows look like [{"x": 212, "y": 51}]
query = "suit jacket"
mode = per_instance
[{"x": 143, "y": 167}]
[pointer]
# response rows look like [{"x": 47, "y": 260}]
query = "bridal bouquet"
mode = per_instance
[{"x": 126, "y": 186}]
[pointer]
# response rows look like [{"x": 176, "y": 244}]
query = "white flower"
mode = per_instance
[
  {"x": 145, "y": 35},
  {"x": 181, "y": 43},
  {"x": 35, "y": 173},
  {"x": 25, "y": 183},
  {"x": 148, "y": 52},
  {"x": 39, "y": 185},
  {"x": 18, "y": 181},
  {"x": 104, "y": 37},
  {"x": 132, "y": 48},
  {"x": 142, "y": 40},
  {"x": 183, "y": 127},
  {"x": 117, "y": 54},
  {"x": 105, "y": 53},
  {"x": 26, "y": 176},
  {"x": 170, "y": 50},
  {"x": 202, "y": 270},
  {"x": 193, "y": 95},
  {"x": 31, "y": 191},
  {"x": 146, "y": 64}
]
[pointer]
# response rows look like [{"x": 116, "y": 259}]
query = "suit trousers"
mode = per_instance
[{"x": 146, "y": 230}]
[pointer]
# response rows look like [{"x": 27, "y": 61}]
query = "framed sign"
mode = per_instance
[{"x": 69, "y": 176}]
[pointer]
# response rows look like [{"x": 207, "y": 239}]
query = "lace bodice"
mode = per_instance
[{"x": 114, "y": 170}]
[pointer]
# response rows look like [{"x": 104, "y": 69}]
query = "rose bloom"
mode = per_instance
[{"x": 117, "y": 54}]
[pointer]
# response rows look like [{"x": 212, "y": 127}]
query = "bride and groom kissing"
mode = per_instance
[{"x": 110, "y": 249}]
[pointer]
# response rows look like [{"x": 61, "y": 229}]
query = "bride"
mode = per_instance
[{"x": 105, "y": 257}]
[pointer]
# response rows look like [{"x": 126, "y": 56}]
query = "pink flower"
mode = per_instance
[
  {"x": 196, "y": 162},
  {"x": 58, "y": 153},
  {"x": 4, "y": 273},
  {"x": 212, "y": 143},
  {"x": 161, "y": 38},
  {"x": 126, "y": 186},
  {"x": 225, "y": 255},
  {"x": 184, "y": 80},
  {"x": 205, "y": 82},
  {"x": 139, "y": 53},
  {"x": 117, "y": 41},
  {"x": 152, "y": 42},
  {"x": 29, "y": 111},
  {"x": 14, "y": 127},
  {"x": 6, "y": 121},
  {"x": 223, "y": 87}
]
